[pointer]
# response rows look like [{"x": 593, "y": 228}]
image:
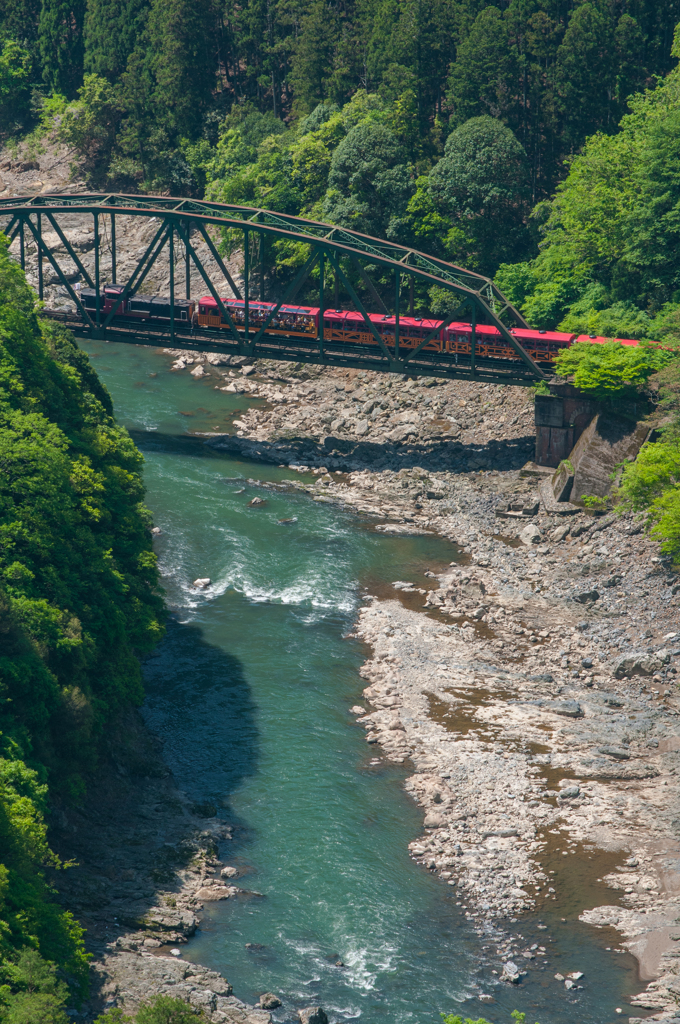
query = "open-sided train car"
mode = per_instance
[{"x": 342, "y": 325}]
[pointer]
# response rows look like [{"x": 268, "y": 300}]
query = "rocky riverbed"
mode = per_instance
[{"x": 531, "y": 686}]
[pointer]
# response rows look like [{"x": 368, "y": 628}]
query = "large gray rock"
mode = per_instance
[
  {"x": 313, "y": 1015},
  {"x": 268, "y": 1001},
  {"x": 569, "y": 708},
  {"x": 530, "y": 534},
  {"x": 511, "y": 972},
  {"x": 636, "y": 664},
  {"x": 618, "y": 753},
  {"x": 585, "y": 596}
]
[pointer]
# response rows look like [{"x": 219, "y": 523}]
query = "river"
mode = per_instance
[{"x": 251, "y": 692}]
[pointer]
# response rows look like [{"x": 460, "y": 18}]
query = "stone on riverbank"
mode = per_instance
[
  {"x": 312, "y": 1015},
  {"x": 636, "y": 664}
]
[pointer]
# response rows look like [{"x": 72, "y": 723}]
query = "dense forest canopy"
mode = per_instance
[{"x": 553, "y": 71}]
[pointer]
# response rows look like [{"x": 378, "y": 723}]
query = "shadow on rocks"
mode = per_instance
[{"x": 347, "y": 455}]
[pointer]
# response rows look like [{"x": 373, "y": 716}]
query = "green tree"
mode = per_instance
[
  {"x": 369, "y": 181},
  {"x": 15, "y": 77},
  {"x": 166, "y": 1010},
  {"x": 112, "y": 30},
  {"x": 481, "y": 185},
  {"x": 313, "y": 65},
  {"x": 484, "y": 77},
  {"x": 584, "y": 72},
  {"x": 182, "y": 61},
  {"x": 60, "y": 40},
  {"x": 611, "y": 372},
  {"x": 34, "y": 995}
]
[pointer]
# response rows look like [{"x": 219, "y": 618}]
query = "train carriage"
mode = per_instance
[
  {"x": 345, "y": 326},
  {"x": 289, "y": 320}
]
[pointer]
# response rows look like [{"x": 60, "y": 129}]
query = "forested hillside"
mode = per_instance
[
  {"x": 78, "y": 605},
  {"x": 168, "y": 71}
]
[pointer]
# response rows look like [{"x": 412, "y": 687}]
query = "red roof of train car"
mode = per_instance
[
  {"x": 378, "y": 318},
  {"x": 521, "y": 333},
  {"x": 530, "y": 335}
]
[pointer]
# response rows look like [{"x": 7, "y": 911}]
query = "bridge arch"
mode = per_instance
[{"x": 333, "y": 250}]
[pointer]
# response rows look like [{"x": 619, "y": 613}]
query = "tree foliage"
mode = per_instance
[
  {"x": 553, "y": 74},
  {"x": 78, "y": 605},
  {"x": 161, "y": 1010},
  {"x": 611, "y": 370},
  {"x": 608, "y": 257}
]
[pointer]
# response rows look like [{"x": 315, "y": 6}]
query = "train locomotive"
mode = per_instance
[{"x": 340, "y": 325}]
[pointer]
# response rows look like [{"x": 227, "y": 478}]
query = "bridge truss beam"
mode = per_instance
[{"x": 333, "y": 249}]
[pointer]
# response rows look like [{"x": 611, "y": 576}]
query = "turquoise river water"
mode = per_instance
[{"x": 250, "y": 692}]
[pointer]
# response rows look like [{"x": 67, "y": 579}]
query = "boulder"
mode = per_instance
[
  {"x": 202, "y": 583},
  {"x": 511, "y": 972},
  {"x": 198, "y": 371},
  {"x": 530, "y": 535},
  {"x": 229, "y": 872},
  {"x": 312, "y": 1015},
  {"x": 268, "y": 1001},
  {"x": 618, "y": 753},
  {"x": 568, "y": 708},
  {"x": 585, "y": 596},
  {"x": 636, "y": 663}
]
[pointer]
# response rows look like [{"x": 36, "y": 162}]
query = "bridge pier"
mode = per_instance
[{"x": 560, "y": 419}]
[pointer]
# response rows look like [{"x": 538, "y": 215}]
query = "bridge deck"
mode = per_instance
[{"x": 297, "y": 349}]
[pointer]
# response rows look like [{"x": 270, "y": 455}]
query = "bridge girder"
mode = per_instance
[{"x": 329, "y": 247}]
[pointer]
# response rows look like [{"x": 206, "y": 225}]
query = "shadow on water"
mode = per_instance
[
  {"x": 183, "y": 445},
  {"x": 189, "y": 679}
]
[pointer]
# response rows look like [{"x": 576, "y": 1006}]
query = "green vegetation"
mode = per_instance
[
  {"x": 161, "y": 1010},
  {"x": 450, "y": 1018},
  {"x": 652, "y": 483},
  {"x": 612, "y": 373},
  {"x": 78, "y": 605},
  {"x": 607, "y": 263},
  {"x": 170, "y": 71}
]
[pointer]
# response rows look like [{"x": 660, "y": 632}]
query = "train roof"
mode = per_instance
[
  {"x": 207, "y": 300},
  {"x": 380, "y": 318},
  {"x": 523, "y": 333}
]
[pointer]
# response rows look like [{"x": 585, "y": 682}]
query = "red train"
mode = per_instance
[{"x": 342, "y": 325}]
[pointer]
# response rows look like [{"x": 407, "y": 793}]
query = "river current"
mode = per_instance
[{"x": 251, "y": 691}]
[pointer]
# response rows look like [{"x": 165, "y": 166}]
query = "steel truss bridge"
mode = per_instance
[{"x": 333, "y": 250}]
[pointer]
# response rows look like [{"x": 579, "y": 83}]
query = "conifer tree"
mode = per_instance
[
  {"x": 60, "y": 39},
  {"x": 112, "y": 30},
  {"x": 183, "y": 62},
  {"x": 312, "y": 64},
  {"x": 584, "y": 73},
  {"x": 485, "y": 77}
]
